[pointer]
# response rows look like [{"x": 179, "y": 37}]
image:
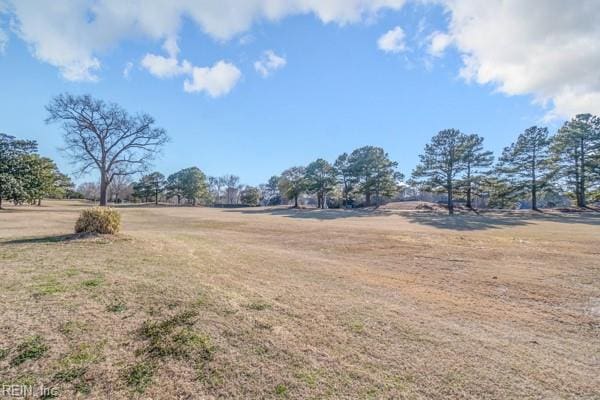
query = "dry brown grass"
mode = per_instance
[{"x": 277, "y": 303}]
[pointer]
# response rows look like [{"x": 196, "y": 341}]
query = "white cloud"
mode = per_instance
[
  {"x": 392, "y": 41},
  {"x": 165, "y": 67},
  {"x": 72, "y": 34},
  {"x": 268, "y": 63},
  {"x": 3, "y": 34},
  {"x": 439, "y": 41},
  {"x": 3, "y": 41},
  {"x": 217, "y": 80},
  {"x": 127, "y": 69},
  {"x": 547, "y": 48}
]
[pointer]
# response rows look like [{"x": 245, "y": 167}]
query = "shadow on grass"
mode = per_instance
[
  {"x": 41, "y": 239},
  {"x": 313, "y": 213},
  {"x": 468, "y": 222},
  {"x": 463, "y": 221},
  {"x": 48, "y": 239},
  {"x": 497, "y": 220}
]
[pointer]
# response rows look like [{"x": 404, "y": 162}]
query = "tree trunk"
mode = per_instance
[
  {"x": 156, "y": 198},
  {"x": 178, "y": 200},
  {"x": 295, "y": 201},
  {"x": 39, "y": 202},
  {"x": 469, "y": 188},
  {"x": 533, "y": 182},
  {"x": 450, "y": 200},
  {"x": 0, "y": 200},
  {"x": 581, "y": 201},
  {"x": 103, "y": 188},
  {"x": 368, "y": 198}
]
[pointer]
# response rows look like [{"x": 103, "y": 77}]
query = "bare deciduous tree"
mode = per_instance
[
  {"x": 120, "y": 187},
  {"x": 104, "y": 136}
]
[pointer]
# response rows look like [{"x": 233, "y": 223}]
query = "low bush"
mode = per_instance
[{"x": 98, "y": 220}]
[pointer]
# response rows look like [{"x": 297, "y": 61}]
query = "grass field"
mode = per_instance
[{"x": 277, "y": 303}]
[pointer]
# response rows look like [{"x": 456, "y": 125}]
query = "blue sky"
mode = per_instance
[{"x": 337, "y": 90}]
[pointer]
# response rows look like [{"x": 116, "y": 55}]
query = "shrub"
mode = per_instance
[{"x": 98, "y": 220}]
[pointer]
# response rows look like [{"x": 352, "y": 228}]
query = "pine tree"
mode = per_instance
[
  {"x": 526, "y": 165},
  {"x": 442, "y": 163},
  {"x": 156, "y": 182},
  {"x": 344, "y": 177},
  {"x": 476, "y": 160},
  {"x": 373, "y": 173},
  {"x": 194, "y": 186},
  {"x": 576, "y": 152},
  {"x": 293, "y": 183},
  {"x": 320, "y": 179}
]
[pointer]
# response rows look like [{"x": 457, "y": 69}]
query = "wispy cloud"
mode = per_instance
[{"x": 269, "y": 62}]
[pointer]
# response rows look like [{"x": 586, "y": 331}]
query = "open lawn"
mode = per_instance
[{"x": 192, "y": 303}]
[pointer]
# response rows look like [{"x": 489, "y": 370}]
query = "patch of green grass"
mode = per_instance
[
  {"x": 281, "y": 390},
  {"x": 117, "y": 307},
  {"x": 210, "y": 376},
  {"x": 49, "y": 287},
  {"x": 82, "y": 387},
  {"x": 91, "y": 283},
  {"x": 356, "y": 327},
  {"x": 403, "y": 382},
  {"x": 21, "y": 380},
  {"x": 172, "y": 337},
  {"x": 70, "y": 328},
  {"x": 71, "y": 374},
  {"x": 139, "y": 376},
  {"x": 3, "y": 353},
  {"x": 263, "y": 325},
  {"x": 83, "y": 354},
  {"x": 71, "y": 272},
  {"x": 32, "y": 348},
  {"x": 74, "y": 365},
  {"x": 261, "y": 350},
  {"x": 157, "y": 329},
  {"x": 258, "y": 306},
  {"x": 308, "y": 377},
  {"x": 181, "y": 342}
]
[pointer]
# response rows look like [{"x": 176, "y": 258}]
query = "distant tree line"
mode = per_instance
[
  {"x": 118, "y": 146},
  {"x": 536, "y": 164},
  {"x": 366, "y": 173}
]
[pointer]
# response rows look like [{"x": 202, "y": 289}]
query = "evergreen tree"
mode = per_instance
[
  {"x": 42, "y": 179},
  {"x": 442, "y": 163},
  {"x": 174, "y": 186},
  {"x": 292, "y": 183},
  {"x": 476, "y": 161},
  {"x": 576, "y": 152},
  {"x": 156, "y": 182},
  {"x": 194, "y": 186},
  {"x": 526, "y": 165},
  {"x": 344, "y": 176},
  {"x": 320, "y": 179},
  {"x": 250, "y": 196},
  {"x": 143, "y": 189},
  {"x": 13, "y": 168},
  {"x": 373, "y": 173}
]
